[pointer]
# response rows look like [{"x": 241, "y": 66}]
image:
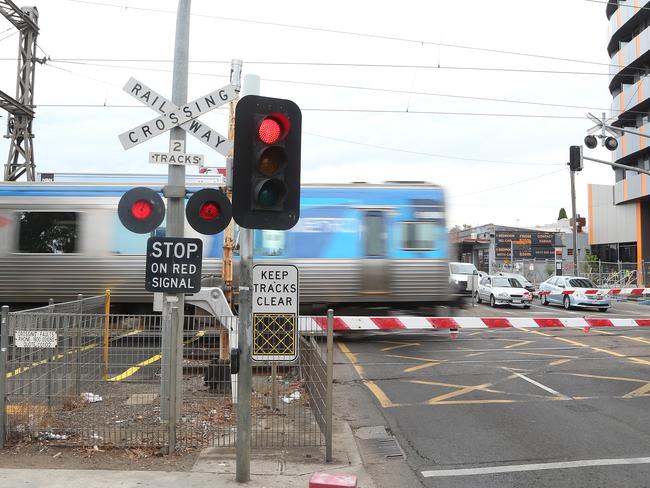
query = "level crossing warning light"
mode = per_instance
[
  {"x": 208, "y": 211},
  {"x": 141, "y": 210},
  {"x": 266, "y": 163}
]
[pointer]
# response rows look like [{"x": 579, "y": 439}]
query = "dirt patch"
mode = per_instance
[{"x": 43, "y": 455}]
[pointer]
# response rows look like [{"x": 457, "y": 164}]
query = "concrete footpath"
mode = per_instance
[{"x": 213, "y": 469}]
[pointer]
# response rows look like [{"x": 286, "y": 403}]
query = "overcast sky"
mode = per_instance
[{"x": 360, "y": 123}]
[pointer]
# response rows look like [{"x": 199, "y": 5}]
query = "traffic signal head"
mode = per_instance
[
  {"x": 575, "y": 158},
  {"x": 266, "y": 163},
  {"x": 208, "y": 211},
  {"x": 611, "y": 143},
  {"x": 141, "y": 210},
  {"x": 591, "y": 142}
]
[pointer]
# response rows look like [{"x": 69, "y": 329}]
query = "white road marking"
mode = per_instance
[
  {"x": 539, "y": 385},
  {"x": 534, "y": 467}
]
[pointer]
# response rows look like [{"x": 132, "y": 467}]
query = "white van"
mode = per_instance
[{"x": 458, "y": 273}]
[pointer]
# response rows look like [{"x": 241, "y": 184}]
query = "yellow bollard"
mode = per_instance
[{"x": 107, "y": 318}]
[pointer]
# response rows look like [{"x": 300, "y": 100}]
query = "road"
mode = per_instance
[{"x": 506, "y": 408}]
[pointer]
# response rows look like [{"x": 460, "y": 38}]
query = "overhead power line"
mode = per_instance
[
  {"x": 435, "y": 67},
  {"x": 348, "y": 33},
  {"x": 391, "y": 90},
  {"x": 422, "y": 153},
  {"x": 485, "y": 190}
]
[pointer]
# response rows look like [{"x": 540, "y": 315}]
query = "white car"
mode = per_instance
[
  {"x": 459, "y": 273},
  {"x": 501, "y": 290},
  {"x": 573, "y": 291}
]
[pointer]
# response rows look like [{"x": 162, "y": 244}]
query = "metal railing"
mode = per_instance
[{"x": 95, "y": 379}]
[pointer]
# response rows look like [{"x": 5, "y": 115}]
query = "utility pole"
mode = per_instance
[
  {"x": 172, "y": 326},
  {"x": 251, "y": 86}
]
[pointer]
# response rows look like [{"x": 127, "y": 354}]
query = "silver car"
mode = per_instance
[
  {"x": 501, "y": 290},
  {"x": 572, "y": 291}
]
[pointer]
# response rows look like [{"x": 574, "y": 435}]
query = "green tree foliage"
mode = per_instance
[{"x": 562, "y": 214}]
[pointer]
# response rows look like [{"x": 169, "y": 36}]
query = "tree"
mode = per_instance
[{"x": 562, "y": 214}]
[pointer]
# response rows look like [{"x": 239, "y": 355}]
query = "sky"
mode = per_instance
[{"x": 385, "y": 90}]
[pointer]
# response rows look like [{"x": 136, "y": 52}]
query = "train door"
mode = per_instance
[{"x": 375, "y": 276}]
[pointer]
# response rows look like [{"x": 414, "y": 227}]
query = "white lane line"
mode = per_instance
[
  {"x": 533, "y": 467},
  {"x": 539, "y": 385}
]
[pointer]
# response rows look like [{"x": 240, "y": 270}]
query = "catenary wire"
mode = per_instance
[
  {"x": 349, "y": 33},
  {"x": 381, "y": 90},
  {"x": 512, "y": 183},
  {"x": 422, "y": 153}
]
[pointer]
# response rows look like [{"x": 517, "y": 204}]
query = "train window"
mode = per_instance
[
  {"x": 48, "y": 232},
  {"x": 270, "y": 243},
  {"x": 375, "y": 234},
  {"x": 416, "y": 236}
]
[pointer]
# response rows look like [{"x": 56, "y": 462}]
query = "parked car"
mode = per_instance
[
  {"x": 458, "y": 273},
  {"x": 502, "y": 290},
  {"x": 572, "y": 291},
  {"x": 521, "y": 279}
]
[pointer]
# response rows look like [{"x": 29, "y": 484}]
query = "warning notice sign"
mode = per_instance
[{"x": 275, "y": 312}]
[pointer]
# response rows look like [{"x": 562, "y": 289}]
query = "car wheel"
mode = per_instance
[
  {"x": 492, "y": 301},
  {"x": 602, "y": 309},
  {"x": 526, "y": 306},
  {"x": 567, "y": 302},
  {"x": 543, "y": 300},
  {"x": 478, "y": 298}
]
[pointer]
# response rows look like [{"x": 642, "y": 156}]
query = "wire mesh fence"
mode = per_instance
[{"x": 97, "y": 379}]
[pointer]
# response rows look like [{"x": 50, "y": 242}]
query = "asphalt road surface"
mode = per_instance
[
  {"x": 616, "y": 310},
  {"x": 504, "y": 408}
]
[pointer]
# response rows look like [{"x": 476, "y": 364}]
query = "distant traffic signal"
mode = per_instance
[
  {"x": 575, "y": 158},
  {"x": 141, "y": 210},
  {"x": 266, "y": 163},
  {"x": 208, "y": 211}
]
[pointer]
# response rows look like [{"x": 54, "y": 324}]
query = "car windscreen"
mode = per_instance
[
  {"x": 581, "y": 283},
  {"x": 506, "y": 282},
  {"x": 461, "y": 268}
]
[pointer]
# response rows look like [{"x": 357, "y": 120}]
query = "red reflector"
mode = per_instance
[
  {"x": 269, "y": 131},
  {"x": 209, "y": 211},
  {"x": 142, "y": 209}
]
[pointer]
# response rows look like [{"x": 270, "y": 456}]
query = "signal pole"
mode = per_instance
[
  {"x": 574, "y": 230},
  {"x": 251, "y": 86},
  {"x": 171, "y": 397}
]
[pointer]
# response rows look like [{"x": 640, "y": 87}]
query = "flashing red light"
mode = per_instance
[
  {"x": 269, "y": 131},
  {"x": 142, "y": 209},
  {"x": 209, "y": 211}
]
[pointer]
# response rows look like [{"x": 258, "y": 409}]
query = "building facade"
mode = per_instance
[{"x": 619, "y": 216}]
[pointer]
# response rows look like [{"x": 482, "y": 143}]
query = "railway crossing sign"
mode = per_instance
[
  {"x": 174, "y": 116},
  {"x": 173, "y": 265},
  {"x": 275, "y": 312},
  {"x": 176, "y": 155}
]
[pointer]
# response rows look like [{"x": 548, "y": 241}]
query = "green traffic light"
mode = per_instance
[{"x": 267, "y": 198}]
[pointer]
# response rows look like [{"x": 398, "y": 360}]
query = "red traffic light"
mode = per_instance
[
  {"x": 141, "y": 210},
  {"x": 273, "y": 128},
  {"x": 208, "y": 211}
]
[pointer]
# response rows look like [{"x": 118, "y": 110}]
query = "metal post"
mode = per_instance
[
  {"x": 575, "y": 231},
  {"x": 251, "y": 86},
  {"x": 4, "y": 335},
  {"x": 330, "y": 384},
  {"x": 173, "y": 386},
  {"x": 107, "y": 331},
  {"x": 76, "y": 347},
  {"x": 50, "y": 364},
  {"x": 175, "y": 193},
  {"x": 274, "y": 386}
]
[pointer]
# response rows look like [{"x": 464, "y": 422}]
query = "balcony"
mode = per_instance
[
  {"x": 633, "y": 54},
  {"x": 620, "y": 26},
  {"x": 635, "y": 185},
  {"x": 630, "y": 146}
]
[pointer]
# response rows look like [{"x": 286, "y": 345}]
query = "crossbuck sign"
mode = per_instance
[{"x": 174, "y": 116}]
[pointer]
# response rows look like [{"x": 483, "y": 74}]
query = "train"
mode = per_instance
[{"x": 357, "y": 245}]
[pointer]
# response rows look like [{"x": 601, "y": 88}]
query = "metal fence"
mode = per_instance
[
  {"x": 95, "y": 379},
  {"x": 605, "y": 274}
]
